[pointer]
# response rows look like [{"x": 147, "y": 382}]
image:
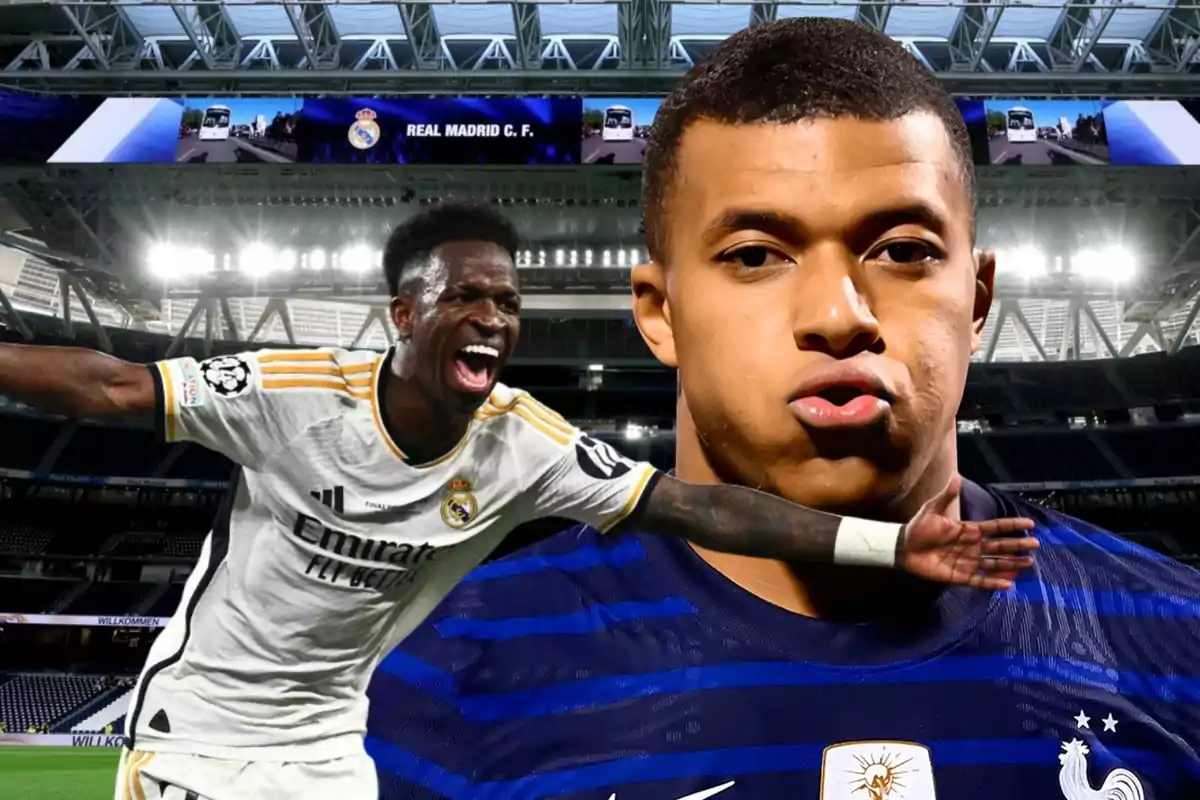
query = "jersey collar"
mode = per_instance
[{"x": 383, "y": 370}]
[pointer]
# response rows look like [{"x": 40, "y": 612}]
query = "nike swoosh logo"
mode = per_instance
[{"x": 701, "y": 795}]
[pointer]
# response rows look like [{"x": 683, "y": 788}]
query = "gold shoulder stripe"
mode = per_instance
[
  {"x": 299, "y": 370},
  {"x": 169, "y": 417},
  {"x": 335, "y": 373},
  {"x": 502, "y": 406},
  {"x": 545, "y": 412},
  {"x": 330, "y": 385},
  {"x": 549, "y": 416},
  {"x": 539, "y": 425},
  {"x": 297, "y": 355},
  {"x": 524, "y": 406}
]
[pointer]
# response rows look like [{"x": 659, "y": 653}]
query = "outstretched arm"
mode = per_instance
[
  {"x": 932, "y": 545},
  {"x": 75, "y": 382}
]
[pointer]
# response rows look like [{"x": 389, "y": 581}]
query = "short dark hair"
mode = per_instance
[
  {"x": 413, "y": 240},
  {"x": 787, "y": 71}
]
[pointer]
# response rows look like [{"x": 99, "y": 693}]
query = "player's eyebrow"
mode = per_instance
[
  {"x": 913, "y": 212},
  {"x": 777, "y": 223},
  {"x": 790, "y": 228}
]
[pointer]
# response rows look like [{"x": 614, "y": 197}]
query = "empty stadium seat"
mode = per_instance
[
  {"x": 24, "y": 539},
  {"x": 134, "y": 545},
  {"x": 184, "y": 545},
  {"x": 27, "y": 700}
]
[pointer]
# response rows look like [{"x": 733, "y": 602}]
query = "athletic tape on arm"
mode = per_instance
[{"x": 863, "y": 543}]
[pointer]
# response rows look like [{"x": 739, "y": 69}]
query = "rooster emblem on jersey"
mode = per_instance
[{"x": 1120, "y": 784}]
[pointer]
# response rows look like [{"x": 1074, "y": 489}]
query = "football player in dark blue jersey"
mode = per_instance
[{"x": 809, "y": 204}]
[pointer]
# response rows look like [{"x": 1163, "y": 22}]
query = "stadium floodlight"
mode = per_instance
[
  {"x": 587, "y": 257},
  {"x": 287, "y": 260},
  {"x": 1112, "y": 263},
  {"x": 633, "y": 432},
  {"x": 633, "y": 257},
  {"x": 606, "y": 259},
  {"x": 595, "y": 368},
  {"x": 163, "y": 260},
  {"x": 357, "y": 258},
  {"x": 197, "y": 260},
  {"x": 1025, "y": 261},
  {"x": 573, "y": 258},
  {"x": 559, "y": 258},
  {"x": 1117, "y": 263},
  {"x": 317, "y": 259},
  {"x": 257, "y": 259},
  {"x": 541, "y": 258}
]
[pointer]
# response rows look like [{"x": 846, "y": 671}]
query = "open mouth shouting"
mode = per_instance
[{"x": 475, "y": 368}]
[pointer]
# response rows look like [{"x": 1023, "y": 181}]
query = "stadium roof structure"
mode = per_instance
[
  {"x": 80, "y": 248},
  {"x": 996, "y": 47}
]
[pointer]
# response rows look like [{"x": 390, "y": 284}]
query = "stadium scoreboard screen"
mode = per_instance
[{"x": 522, "y": 131}]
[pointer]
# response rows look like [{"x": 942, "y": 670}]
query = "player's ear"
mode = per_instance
[
  {"x": 985, "y": 285},
  {"x": 401, "y": 312},
  {"x": 652, "y": 311}
]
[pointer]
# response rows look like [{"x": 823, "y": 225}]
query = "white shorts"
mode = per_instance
[{"x": 171, "y": 776}]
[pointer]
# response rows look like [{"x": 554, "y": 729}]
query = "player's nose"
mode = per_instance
[{"x": 488, "y": 320}]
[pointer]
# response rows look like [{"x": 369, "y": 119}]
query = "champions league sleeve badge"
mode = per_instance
[
  {"x": 364, "y": 133},
  {"x": 227, "y": 376}
]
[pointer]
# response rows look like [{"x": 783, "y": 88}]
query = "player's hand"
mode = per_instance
[{"x": 985, "y": 555}]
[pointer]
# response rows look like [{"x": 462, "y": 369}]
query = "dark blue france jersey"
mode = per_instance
[{"x": 626, "y": 668}]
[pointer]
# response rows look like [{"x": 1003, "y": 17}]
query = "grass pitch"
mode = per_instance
[{"x": 58, "y": 773}]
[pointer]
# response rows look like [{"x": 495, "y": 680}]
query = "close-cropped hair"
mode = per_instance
[
  {"x": 412, "y": 241},
  {"x": 789, "y": 71}
]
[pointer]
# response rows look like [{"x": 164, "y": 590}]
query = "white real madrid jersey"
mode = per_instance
[{"x": 334, "y": 546}]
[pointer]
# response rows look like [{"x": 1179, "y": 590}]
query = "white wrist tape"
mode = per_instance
[{"x": 863, "y": 543}]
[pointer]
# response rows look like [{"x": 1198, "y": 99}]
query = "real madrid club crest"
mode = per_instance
[
  {"x": 459, "y": 506},
  {"x": 364, "y": 133}
]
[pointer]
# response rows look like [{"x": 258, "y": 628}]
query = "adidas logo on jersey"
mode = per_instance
[
  {"x": 334, "y": 498},
  {"x": 599, "y": 460}
]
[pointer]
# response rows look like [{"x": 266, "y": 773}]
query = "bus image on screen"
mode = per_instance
[
  {"x": 618, "y": 124},
  {"x": 1021, "y": 126},
  {"x": 215, "y": 126}
]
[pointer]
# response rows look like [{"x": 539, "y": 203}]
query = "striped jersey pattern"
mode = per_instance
[{"x": 628, "y": 669}]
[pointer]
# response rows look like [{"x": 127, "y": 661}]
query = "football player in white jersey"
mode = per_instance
[{"x": 369, "y": 485}]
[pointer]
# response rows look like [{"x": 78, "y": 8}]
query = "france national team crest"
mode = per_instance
[
  {"x": 364, "y": 132},
  {"x": 459, "y": 506},
  {"x": 1119, "y": 784},
  {"x": 877, "y": 771}
]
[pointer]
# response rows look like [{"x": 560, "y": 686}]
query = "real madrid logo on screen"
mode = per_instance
[
  {"x": 459, "y": 506},
  {"x": 364, "y": 133}
]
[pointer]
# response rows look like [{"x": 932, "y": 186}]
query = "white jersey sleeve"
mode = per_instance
[
  {"x": 576, "y": 476},
  {"x": 249, "y": 406}
]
